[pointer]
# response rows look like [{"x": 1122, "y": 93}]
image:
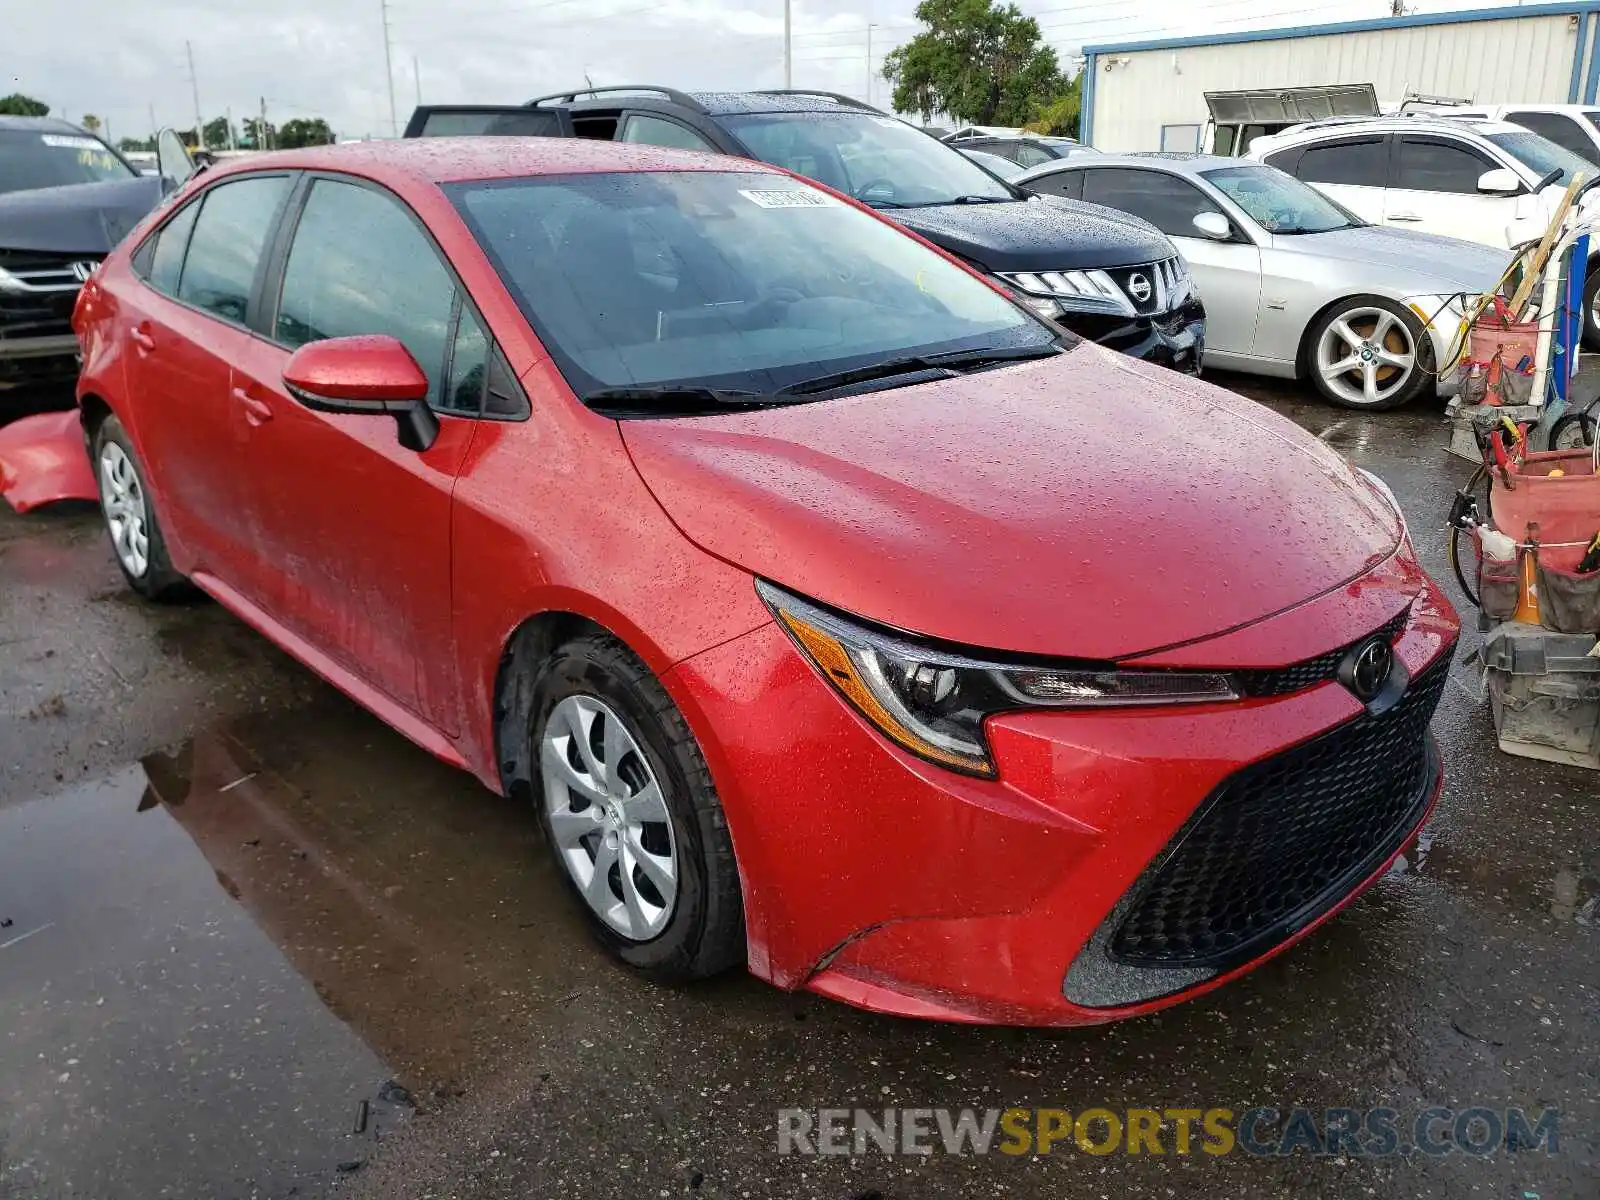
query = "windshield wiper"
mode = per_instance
[
  {"x": 950, "y": 363},
  {"x": 675, "y": 398},
  {"x": 981, "y": 200}
]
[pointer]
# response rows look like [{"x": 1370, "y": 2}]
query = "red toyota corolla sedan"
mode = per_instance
[{"x": 836, "y": 614}]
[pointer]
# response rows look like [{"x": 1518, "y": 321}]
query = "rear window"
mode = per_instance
[
  {"x": 730, "y": 280},
  {"x": 1358, "y": 164},
  {"x": 30, "y": 159}
]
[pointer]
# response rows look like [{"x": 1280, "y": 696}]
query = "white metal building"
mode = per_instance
[{"x": 1151, "y": 95}]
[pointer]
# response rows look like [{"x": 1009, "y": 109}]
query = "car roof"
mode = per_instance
[
  {"x": 1407, "y": 124},
  {"x": 715, "y": 104},
  {"x": 450, "y": 159},
  {"x": 42, "y": 125},
  {"x": 1175, "y": 161}
]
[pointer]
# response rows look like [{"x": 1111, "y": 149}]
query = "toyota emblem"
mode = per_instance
[
  {"x": 1367, "y": 669},
  {"x": 1139, "y": 287}
]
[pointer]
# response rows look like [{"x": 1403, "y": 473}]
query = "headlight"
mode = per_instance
[
  {"x": 933, "y": 703},
  {"x": 1067, "y": 291}
]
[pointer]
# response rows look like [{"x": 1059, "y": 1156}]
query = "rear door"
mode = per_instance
[
  {"x": 480, "y": 120},
  {"x": 1433, "y": 186},
  {"x": 201, "y": 280},
  {"x": 1229, "y": 273},
  {"x": 358, "y": 525},
  {"x": 1352, "y": 170}
]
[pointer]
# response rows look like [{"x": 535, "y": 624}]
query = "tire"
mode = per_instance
[
  {"x": 1388, "y": 357},
  {"x": 636, "y": 737},
  {"x": 130, "y": 516},
  {"x": 1591, "y": 317},
  {"x": 1574, "y": 431}
]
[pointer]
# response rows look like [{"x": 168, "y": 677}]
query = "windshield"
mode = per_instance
[
  {"x": 1541, "y": 156},
  {"x": 994, "y": 164},
  {"x": 878, "y": 160},
  {"x": 30, "y": 159},
  {"x": 1279, "y": 202},
  {"x": 735, "y": 281}
]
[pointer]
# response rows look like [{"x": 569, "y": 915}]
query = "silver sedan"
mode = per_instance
[{"x": 1295, "y": 285}]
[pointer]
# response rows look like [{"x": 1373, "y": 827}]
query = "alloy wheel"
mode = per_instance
[
  {"x": 608, "y": 817},
  {"x": 122, "y": 499},
  {"x": 1366, "y": 355}
]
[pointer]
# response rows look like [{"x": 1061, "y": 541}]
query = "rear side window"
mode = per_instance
[
  {"x": 1423, "y": 165},
  {"x": 1561, "y": 130},
  {"x": 226, "y": 244},
  {"x": 358, "y": 265},
  {"x": 1167, "y": 202},
  {"x": 160, "y": 259},
  {"x": 1060, "y": 183},
  {"x": 1357, "y": 164},
  {"x": 655, "y": 131},
  {"x": 531, "y": 122}
]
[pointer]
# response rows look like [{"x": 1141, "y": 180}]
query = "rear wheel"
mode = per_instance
[
  {"x": 1591, "y": 310},
  {"x": 1368, "y": 352},
  {"x": 130, "y": 516},
  {"x": 1575, "y": 431},
  {"x": 630, "y": 813}
]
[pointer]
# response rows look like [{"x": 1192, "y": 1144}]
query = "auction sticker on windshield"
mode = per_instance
[
  {"x": 68, "y": 142},
  {"x": 788, "y": 199}
]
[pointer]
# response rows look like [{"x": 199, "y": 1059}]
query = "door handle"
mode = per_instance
[
  {"x": 257, "y": 412},
  {"x": 141, "y": 339},
  {"x": 1404, "y": 217}
]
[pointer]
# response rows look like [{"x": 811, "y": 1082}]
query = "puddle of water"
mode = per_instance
[{"x": 216, "y": 959}]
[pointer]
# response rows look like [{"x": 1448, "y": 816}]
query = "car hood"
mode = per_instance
[
  {"x": 82, "y": 218},
  {"x": 1087, "y": 505},
  {"x": 1445, "y": 264},
  {"x": 1038, "y": 234}
]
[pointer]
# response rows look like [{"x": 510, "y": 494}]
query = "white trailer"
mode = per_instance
[{"x": 1152, "y": 95}]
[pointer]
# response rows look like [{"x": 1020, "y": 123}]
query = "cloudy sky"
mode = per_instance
[{"x": 126, "y": 61}]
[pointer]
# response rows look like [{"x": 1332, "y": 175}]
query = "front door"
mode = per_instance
[
  {"x": 1433, "y": 187},
  {"x": 189, "y": 323},
  {"x": 358, "y": 526}
]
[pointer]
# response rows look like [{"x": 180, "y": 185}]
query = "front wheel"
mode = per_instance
[
  {"x": 1575, "y": 431},
  {"x": 1368, "y": 352},
  {"x": 630, "y": 813}
]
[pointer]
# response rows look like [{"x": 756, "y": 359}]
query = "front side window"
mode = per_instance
[
  {"x": 1167, "y": 202},
  {"x": 730, "y": 280},
  {"x": 1278, "y": 202},
  {"x": 878, "y": 160},
  {"x": 30, "y": 159},
  {"x": 1542, "y": 156},
  {"x": 656, "y": 131},
  {"x": 1031, "y": 156},
  {"x": 1067, "y": 184},
  {"x": 225, "y": 248},
  {"x": 1354, "y": 164},
  {"x": 360, "y": 265},
  {"x": 1433, "y": 165}
]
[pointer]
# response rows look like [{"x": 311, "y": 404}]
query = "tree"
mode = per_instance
[
  {"x": 218, "y": 133},
  {"x": 981, "y": 63},
  {"x": 259, "y": 137},
  {"x": 18, "y": 105},
  {"x": 301, "y": 132},
  {"x": 90, "y": 122},
  {"x": 1059, "y": 117}
]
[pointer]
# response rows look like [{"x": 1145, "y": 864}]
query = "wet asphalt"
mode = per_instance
[{"x": 254, "y": 944}]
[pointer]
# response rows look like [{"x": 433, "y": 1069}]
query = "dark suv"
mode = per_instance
[
  {"x": 66, "y": 198},
  {"x": 1105, "y": 275}
]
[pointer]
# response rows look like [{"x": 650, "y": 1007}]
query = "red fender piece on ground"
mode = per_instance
[{"x": 43, "y": 460}]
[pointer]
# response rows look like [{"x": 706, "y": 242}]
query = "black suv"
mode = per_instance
[
  {"x": 1103, "y": 274},
  {"x": 66, "y": 198}
]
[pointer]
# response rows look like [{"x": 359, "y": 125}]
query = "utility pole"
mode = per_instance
[
  {"x": 194, "y": 85},
  {"x": 153, "y": 130},
  {"x": 227, "y": 115},
  {"x": 416, "y": 75},
  {"x": 388, "y": 67},
  {"x": 263, "y": 138},
  {"x": 788, "y": 46},
  {"x": 870, "y": 28}
]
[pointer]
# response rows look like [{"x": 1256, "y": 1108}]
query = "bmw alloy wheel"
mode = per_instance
[
  {"x": 1366, "y": 356},
  {"x": 123, "y": 500},
  {"x": 608, "y": 817}
]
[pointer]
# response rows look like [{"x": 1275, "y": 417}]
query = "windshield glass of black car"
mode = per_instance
[
  {"x": 742, "y": 282},
  {"x": 30, "y": 160}
]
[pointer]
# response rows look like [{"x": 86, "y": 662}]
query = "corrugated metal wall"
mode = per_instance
[{"x": 1486, "y": 61}]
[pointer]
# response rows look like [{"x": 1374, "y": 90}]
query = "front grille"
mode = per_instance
[
  {"x": 1153, "y": 287},
  {"x": 37, "y": 293},
  {"x": 1283, "y": 840},
  {"x": 33, "y": 271},
  {"x": 1280, "y": 681}
]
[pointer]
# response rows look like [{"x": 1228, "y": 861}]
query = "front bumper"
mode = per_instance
[
  {"x": 878, "y": 879},
  {"x": 1173, "y": 339}
]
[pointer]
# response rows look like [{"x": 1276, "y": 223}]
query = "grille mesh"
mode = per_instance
[
  {"x": 1283, "y": 840},
  {"x": 1280, "y": 681}
]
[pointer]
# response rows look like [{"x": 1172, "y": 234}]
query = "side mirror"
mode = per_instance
[
  {"x": 1502, "y": 181},
  {"x": 1214, "y": 226},
  {"x": 372, "y": 375},
  {"x": 173, "y": 163}
]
